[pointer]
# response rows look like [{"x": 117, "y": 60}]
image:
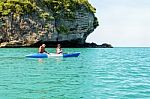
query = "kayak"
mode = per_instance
[{"x": 45, "y": 55}]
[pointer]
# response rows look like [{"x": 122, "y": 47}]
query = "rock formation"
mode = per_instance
[{"x": 28, "y": 23}]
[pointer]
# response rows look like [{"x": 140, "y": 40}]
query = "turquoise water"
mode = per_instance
[{"x": 118, "y": 73}]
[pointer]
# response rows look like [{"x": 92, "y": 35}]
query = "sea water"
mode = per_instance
[{"x": 117, "y": 73}]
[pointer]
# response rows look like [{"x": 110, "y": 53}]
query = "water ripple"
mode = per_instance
[{"x": 97, "y": 74}]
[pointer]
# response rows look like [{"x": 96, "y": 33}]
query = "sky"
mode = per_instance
[{"x": 122, "y": 23}]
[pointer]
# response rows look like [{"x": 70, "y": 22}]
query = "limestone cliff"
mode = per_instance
[{"x": 45, "y": 21}]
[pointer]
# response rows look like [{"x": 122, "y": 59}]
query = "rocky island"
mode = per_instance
[{"x": 28, "y": 23}]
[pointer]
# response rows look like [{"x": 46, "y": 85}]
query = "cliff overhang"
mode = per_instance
[{"x": 27, "y": 23}]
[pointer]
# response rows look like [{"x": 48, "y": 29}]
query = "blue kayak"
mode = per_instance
[{"x": 45, "y": 55}]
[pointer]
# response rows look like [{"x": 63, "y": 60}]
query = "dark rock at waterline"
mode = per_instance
[
  {"x": 94, "y": 45},
  {"x": 64, "y": 44},
  {"x": 72, "y": 44},
  {"x": 105, "y": 45}
]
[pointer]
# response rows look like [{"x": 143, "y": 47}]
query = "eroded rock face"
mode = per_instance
[{"x": 29, "y": 29}]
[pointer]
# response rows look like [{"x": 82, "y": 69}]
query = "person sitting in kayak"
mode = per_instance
[
  {"x": 58, "y": 49},
  {"x": 42, "y": 49}
]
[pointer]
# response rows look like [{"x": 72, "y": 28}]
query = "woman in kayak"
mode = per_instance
[
  {"x": 58, "y": 49},
  {"x": 42, "y": 49}
]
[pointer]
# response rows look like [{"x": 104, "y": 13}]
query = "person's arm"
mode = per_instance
[
  {"x": 61, "y": 51},
  {"x": 40, "y": 49},
  {"x": 46, "y": 52}
]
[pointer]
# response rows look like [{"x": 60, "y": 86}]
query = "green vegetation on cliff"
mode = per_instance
[
  {"x": 19, "y": 7},
  {"x": 67, "y": 6}
]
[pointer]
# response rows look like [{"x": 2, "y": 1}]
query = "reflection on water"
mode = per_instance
[
  {"x": 55, "y": 59},
  {"x": 95, "y": 74},
  {"x": 40, "y": 60}
]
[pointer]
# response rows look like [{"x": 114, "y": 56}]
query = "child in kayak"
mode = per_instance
[
  {"x": 58, "y": 49},
  {"x": 42, "y": 49}
]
